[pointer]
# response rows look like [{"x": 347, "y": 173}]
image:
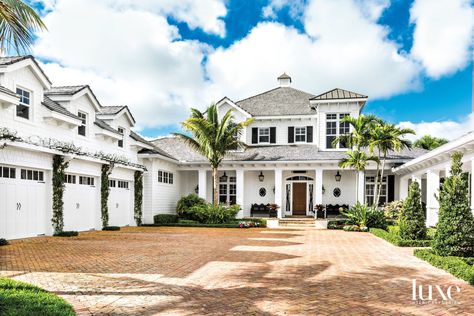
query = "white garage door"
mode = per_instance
[
  {"x": 81, "y": 203},
  {"x": 120, "y": 207},
  {"x": 22, "y": 202}
]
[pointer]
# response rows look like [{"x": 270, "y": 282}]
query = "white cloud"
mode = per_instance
[
  {"x": 445, "y": 129},
  {"x": 296, "y": 8},
  {"x": 443, "y": 35}
]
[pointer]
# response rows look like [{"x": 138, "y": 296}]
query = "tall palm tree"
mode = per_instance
[
  {"x": 386, "y": 137},
  {"x": 360, "y": 130},
  {"x": 213, "y": 138},
  {"x": 18, "y": 23}
]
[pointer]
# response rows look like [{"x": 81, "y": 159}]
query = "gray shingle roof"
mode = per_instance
[
  {"x": 114, "y": 109},
  {"x": 105, "y": 126},
  {"x": 8, "y": 91},
  {"x": 65, "y": 90},
  {"x": 56, "y": 107},
  {"x": 181, "y": 151},
  {"x": 337, "y": 93},
  {"x": 278, "y": 101},
  {"x": 284, "y": 76},
  {"x": 9, "y": 60}
]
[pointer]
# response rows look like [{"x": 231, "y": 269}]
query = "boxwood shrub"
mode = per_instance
[
  {"x": 66, "y": 233},
  {"x": 393, "y": 237},
  {"x": 186, "y": 203},
  {"x": 3, "y": 242},
  {"x": 111, "y": 228},
  {"x": 165, "y": 219}
]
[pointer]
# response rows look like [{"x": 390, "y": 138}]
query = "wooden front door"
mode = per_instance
[{"x": 299, "y": 198}]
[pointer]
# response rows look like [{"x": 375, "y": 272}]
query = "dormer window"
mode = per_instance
[
  {"x": 264, "y": 135},
  {"x": 120, "y": 142},
  {"x": 81, "y": 130},
  {"x": 23, "y": 108},
  {"x": 336, "y": 127},
  {"x": 300, "y": 134}
]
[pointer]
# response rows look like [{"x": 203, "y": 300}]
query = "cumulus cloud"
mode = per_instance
[
  {"x": 296, "y": 8},
  {"x": 443, "y": 35}
]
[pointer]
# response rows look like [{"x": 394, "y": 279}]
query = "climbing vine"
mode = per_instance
[
  {"x": 59, "y": 167},
  {"x": 138, "y": 197},
  {"x": 104, "y": 194}
]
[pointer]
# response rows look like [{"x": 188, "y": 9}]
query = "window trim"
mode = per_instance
[
  {"x": 337, "y": 121},
  {"x": 230, "y": 186},
  {"x": 121, "y": 142},
  {"x": 304, "y": 134},
  {"x": 259, "y": 131},
  {"x": 165, "y": 177},
  {"x": 28, "y": 106},
  {"x": 83, "y": 122},
  {"x": 372, "y": 184}
]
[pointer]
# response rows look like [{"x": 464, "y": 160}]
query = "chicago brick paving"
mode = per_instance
[{"x": 196, "y": 271}]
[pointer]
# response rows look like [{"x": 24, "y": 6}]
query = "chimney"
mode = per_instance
[{"x": 284, "y": 80}]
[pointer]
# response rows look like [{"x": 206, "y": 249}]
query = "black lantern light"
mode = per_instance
[
  {"x": 224, "y": 178},
  {"x": 338, "y": 177},
  {"x": 261, "y": 177},
  {"x": 196, "y": 189}
]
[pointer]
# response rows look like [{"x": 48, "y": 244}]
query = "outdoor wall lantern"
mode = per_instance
[
  {"x": 196, "y": 189},
  {"x": 261, "y": 177},
  {"x": 338, "y": 177},
  {"x": 224, "y": 178},
  {"x": 324, "y": 189}
]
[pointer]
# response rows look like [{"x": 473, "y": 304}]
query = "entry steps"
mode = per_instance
[{"x": 303, "y": 222}]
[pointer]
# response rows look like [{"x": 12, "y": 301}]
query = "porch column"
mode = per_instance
[
  {"x": 403, "y": 189},
  {"x": 416, "y": 178},
  {"x": 318, "y": 187},
  {"x": 202, "y": 183},
  {"x": 472, "y": 185},
  {"x": 432, "y": 205},
  {"x": 239, "y": 174},
  {"x": 278, "y": 191},
  {"x": 360, "y": 186}
]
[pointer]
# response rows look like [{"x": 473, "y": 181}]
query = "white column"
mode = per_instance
[
  {"x": 318, "y": 188},
  {"x": 472, "y": 185},
  {"x": 202, "y": 183},
  {"x": 360, "y": 186},
  {"x": 416, "y": 178},
  {"x": 403, "y": 189},
  {"x": 278, "y": 191},
  {"x": 432, "y": 205},
  {"x": 239, "y": 174}
]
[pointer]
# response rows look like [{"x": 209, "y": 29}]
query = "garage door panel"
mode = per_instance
[
  {"x": 120, "y": 206},
  {"x": 79, "y": 207}
]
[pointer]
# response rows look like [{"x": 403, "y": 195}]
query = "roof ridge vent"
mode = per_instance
[{"x": 284, "y": 80}]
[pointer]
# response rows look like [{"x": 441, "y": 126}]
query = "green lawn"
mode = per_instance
[{"x": 19, "y": 298}]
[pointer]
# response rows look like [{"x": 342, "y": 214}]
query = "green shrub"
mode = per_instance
[
  {"x": 351, "y": 228},
  {"x": 412, "y": 217},
  {"x": 187, "y": 221},
  {"x": 165, "y": 219},
  {"x": 365, "y": 216},
  {"x": 460, "y": 267},
  {"x": 336, "y": 224},
  {"x": 186, "y": 203},
  {"x": 262, "y": 222},
  {"x": 392, "y": 236},
  {"x": 67, "y": 233},
  {"x": 455, "y": 229},
  {"x": 111, "y": 228},
  {"x": 3, "y": 242},
  {"x": 392, "y": 210},
  {"x": 210, "y": 214}
]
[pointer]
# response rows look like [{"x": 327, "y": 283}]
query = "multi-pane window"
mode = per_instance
[
  {"x": 370, "y": 190},
  {"x": 334, "y": 128},
  {"x": 228, "y": 191},
  {"x": 165, "y": 177},
  {"x": 112, "y": 183},
  {"x": 70, "y": 178},
  {"x": 7, "y": 172},
  {"x": 300, "y": 134},
  {"x": 83, "y": 180},
  {"x": 81, "y": 130},
  {"x": 34, "y": 175},
  {"x": 120, "y": 142},
  {"x": 122, "y": 184},
  {"x": 264, "y": 135},
  {"x": 23, "y": 108}
]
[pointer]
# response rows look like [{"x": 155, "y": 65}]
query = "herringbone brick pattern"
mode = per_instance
[{"x": 196, "y": 271}]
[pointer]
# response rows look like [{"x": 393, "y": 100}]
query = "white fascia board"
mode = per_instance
[
  {"x": 106, "y": 133},
  {"x": 34, "y": 66},
  {"x": 143, "y": 156},
  {"x": 87, "y": 91},
  {"x": 113, "y": 117},
  {"x": 7, "y": 99},
  {"x": 231, "y": 103},
  {"x": 311, "y": 102},
  {"x": 140, "y": 144},
  {"x": 286, "y": 117},
  {"x": 63, "y": 118}
]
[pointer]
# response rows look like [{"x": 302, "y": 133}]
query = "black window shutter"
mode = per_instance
[
  {"x": 272, "y": 135},
  {"x": 391, "y": 188},
  {"x": 291, "y": 134},
  {"x": 254, "y": 135},
  {"x": 309, "y": 134}
]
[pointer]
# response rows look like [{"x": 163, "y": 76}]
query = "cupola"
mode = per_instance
[{"x": 284, "y": 80}]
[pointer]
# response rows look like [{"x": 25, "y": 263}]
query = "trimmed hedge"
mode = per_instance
[
  {"x": 460, "y": 267},
  {"x": 3, "y": 242},
  {"x": 113, "y": 228},
  {"x": 165, "y": 219},
  {"x": 67, "y": 233},
  {"x": 261, "y": 221},
  {"x": 190, "y": 223},
  {"x": 392, "y": 237}
]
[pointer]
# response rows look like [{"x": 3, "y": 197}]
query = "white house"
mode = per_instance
[{"x": 289, "y": 159}]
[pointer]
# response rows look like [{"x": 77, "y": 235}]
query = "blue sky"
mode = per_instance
[{"x": 198, "y": 56}]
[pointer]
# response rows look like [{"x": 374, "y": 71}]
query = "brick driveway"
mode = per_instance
[{"x": 195, "y": 271}]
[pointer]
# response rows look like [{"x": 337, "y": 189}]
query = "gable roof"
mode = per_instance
[
  {"x": 114, "y": 110},
  {"x": 105, "y": 126},
  {"x": 56, "y": 107},
  {"x": 10, "y": 60},
  {"x": 65, "y": 90},
  {"x": 278, "y": 101},
  {"x": 337, "y": 94}
]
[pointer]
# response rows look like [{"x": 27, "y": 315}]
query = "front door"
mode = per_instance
[{"x": 299, "y": 198}]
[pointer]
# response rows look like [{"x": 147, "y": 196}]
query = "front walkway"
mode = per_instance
[{"x": 194, "y": 271}]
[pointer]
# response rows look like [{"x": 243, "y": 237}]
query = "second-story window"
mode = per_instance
[
  {"x": 81, "y": 130},
  {"x": 120, "y": 142},
  {"x": 23, "y": 108},
  {"x": 335, "y": 128},
  {"x": 300, "y": 134},
  {"x": 264, "y": 135}
]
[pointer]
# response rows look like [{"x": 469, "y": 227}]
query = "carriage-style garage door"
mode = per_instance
[
  {"x": 81, "y": 202},
  {"x": 120, "y": 206},
  {"x": 22, "y": 202}
]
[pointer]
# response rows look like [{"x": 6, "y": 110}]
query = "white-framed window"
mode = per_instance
[
  {"x": 81, "y": 130},
  {"x": 112, "y": 183},
  {"x": 33, "y": 175},
  {"x": 228, "y": 190},
  {"x": 335, "y": 128},
  {"x": 264, "y": 135},
  {"x": 23, "y": 108},
  {"x": 300, "y": 134},
  {"x": 7, "y": 172},
  {"x": 165, "y": 177},
  {"x": 83, "y": 180},
  {"x": 122, "y": 184},
  {"x": 370, "y": 190},
  {"x": 70, "y": 178},
  {"x": 121, "y": 131}
]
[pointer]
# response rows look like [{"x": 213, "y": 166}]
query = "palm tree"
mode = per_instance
[
  {"x": 18, "y": 23},
  {"x": 429, "y": 142},
  {"x": 213, "y": 138},
  {"x": 360, "y": 128},
  {"x": 357, "y": 160},
  {"x": 386, "y": 137}
]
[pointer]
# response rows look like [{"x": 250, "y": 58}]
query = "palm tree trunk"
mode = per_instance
[
  {"x": 215, "y": 183},
  {"x": 376, "y": 188},
  {"x": 381, "y": 180}
]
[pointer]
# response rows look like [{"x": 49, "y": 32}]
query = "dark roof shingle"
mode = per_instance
[
  {"x": 65, "y": 90},
  {"x": 105, "y": 126},
  {"x": 8, "y": 91},
  {"x": 56, "y": 107}
]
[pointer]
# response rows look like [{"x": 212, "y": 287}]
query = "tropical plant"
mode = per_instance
[
  {"x": 360, "y": 131},
  {"x": 385, "y": 137},
  {"x": 18, "y": 24},
  {"x": 392, "y": 209},
  {"x": 412, "y": 216},
  {"x": 365, "y": 216},
  {"x": 213, "y": 137},
  {"x": 186, "y": 203},
  {"x": 455, "y": 230},
  {"x": 429, "y": 142}
]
